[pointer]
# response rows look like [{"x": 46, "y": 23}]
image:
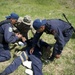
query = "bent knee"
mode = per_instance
[{"x": 8, "y": 57}]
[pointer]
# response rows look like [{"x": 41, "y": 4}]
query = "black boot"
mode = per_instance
[{"x": 3, "y": 73}]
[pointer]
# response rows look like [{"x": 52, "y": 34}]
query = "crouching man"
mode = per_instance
[{"x": 7, "y": 36}]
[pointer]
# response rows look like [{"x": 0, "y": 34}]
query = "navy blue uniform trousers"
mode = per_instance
[
  {"x": 36, "y": 63},
  {"x": 35, "y": 58},
  {"x": 4, "y": 54}
]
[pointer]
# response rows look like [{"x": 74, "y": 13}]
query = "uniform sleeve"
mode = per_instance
[
  {"x": 36, "y": 38},
  {"x": 9, "y": 36},
  {"x": 58, "y": 47}
]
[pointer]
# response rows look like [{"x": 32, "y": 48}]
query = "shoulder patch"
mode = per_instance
[{"x": 10, "y": 29}]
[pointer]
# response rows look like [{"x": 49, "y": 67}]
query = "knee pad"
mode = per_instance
[
  {"x": 23, "y": 56},
  {"x": 8, "y": 57}
]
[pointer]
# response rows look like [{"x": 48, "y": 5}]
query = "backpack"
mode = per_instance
[{"x": 4, "y": 22}]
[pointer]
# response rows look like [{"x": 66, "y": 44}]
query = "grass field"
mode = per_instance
[{"x": 48, "y": 9}]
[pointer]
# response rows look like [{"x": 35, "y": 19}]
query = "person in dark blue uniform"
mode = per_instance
[
  {"x": 61, "y": 30},
  {"x": 7, "y": 36},
  {"x": 25, "y": 55}
]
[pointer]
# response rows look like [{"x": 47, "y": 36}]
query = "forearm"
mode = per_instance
[
  {"x": 35, "y": 39},
  {"x": 57, "y": 49}
]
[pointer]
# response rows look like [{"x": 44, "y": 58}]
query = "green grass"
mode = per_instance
[{"x": 42, "y": 9}]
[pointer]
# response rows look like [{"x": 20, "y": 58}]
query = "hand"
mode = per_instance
[
  {"x": 31, "y": 50},
  {"x": 24, "y": 39},
  {"x": 57, "y": 56},
  {"x": 19, "y": 35}
]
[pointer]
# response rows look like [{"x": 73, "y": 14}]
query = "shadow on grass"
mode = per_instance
[
  {"x": 46, "y": 53},
  {"x": 73, "y": 36}
]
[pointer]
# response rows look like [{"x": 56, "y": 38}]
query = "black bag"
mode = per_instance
[{"x": 4, "y": 22}]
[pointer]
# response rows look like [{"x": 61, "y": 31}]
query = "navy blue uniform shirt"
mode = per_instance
[
  {"x": 60, "y": 30},
  {"x": 9, "y": 36}
]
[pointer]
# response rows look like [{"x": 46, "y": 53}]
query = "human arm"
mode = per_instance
[
  {"x": 60, "y": 43},
  {"x": 34, "y": 41},
  {"x": 9, "y": 36}
]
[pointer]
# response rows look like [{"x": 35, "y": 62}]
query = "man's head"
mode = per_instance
[
  {"x": 26, "y": 20},
  {"x": 39, "y": 25},
  {"x": 23, "y": 25},
  {"x": 13, "y": 17}
]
